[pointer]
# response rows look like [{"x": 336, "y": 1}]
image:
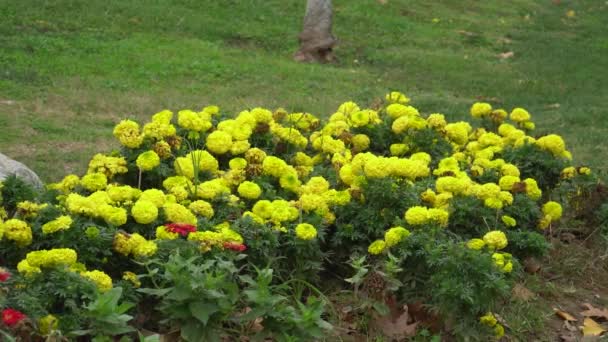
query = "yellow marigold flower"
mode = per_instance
[
  {"x": 163, "y": 234},
  {"x": 237, "y": 164},
  {"x": 66, "y": 185},
  {"x": 240, "y": 147},
  {"x": 395, "y": 235},
  {"x": 94, "y": 181},
  {"x": 436, "y": 120},
  {"x": 26, "y": 269},
  {"x": 397, "y": 110},
  {"x": 417, "y": 215},
  {"x": 506, "y": 182},
  {"x": 61, "y": 223},
  {"x": 305, "y": 231},
  {"x": 127, "y": 132},
  {"x": 359, "y": 118},
  {"x": 495, "y": 240},
  {"x": 397, "y": 97},
  {"x": 360, "y": 142},
  {"x": 503, "y": 262},
  {"x": 144, "y": 248},
  {"x": 568, "y": 172},
  {"x": 552, "y": 143},
  {"x": 190, "y": 120},
  {"x": 212, "y": 110},
  {"x": 290, "y": 181},
  {"x": 47, "y": 324},
  {"x": 458, "y": 132},
  {"x": 532, "y": 189},
  {"x": 51, "y": 258},
  {"x": 132, "y": 278},
  {"x": 124, "y": 193},
  {"x": 481, "y": 109},
  {"x": 219, "y": 142},
  {"x": 488, "y": 319},
  {"x": 102, "y": 280},
  {"x": 493, "y": 202},
  {"x": 499, "y": 331},
  {"x": 451, "y": 184},
  {"x": 476, "y": 244},
  {"x": 113, "y": 215},
  {"x": 18, "y": 231},
  {"x": 255, "y": 156},
  {"x": 249, "y": 190},
  {"x": 202, "y": 208},
  {"x": 584, "y": 171},
  {"x": 177, "y": 213},
  {"x": 520, "y": 115},
  {"x": 28, "y": 209},
  {"x": 398, "y": 149},
  {"x": 348, "y": 108},
  {"x": 439, "y": 216},
  {"x": 274, "y": 166},
  {"x": 144, "y": 212},
  {"x": 147, "y": 161},
  {"x": 376, "y": 247},
  {"x": 157, "y": 197},
  {"x": 553, "y": 210},
  {"x": 508, "y": 221},
  {"x": 376, "y": 168}
]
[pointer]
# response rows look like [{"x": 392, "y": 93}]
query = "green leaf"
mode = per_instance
[
  {"x": 203, "y": 310},
  {"x": 381, "y": 308},
  {"x": 155, "y": 292}
]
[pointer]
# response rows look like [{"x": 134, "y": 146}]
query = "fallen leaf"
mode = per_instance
[
  {"x": 568, "y": 338},
  {"x": 395, "y": 328},
  {"x": 522, "y": 293},
  {"x": 531, "y": 265},
  {"x": 553, "y": 106},
  {"x": 594, "y": 312},
  {"x": 592, "y": 328},
  {"x": 382, "y": 2},
  {"x": 467, "y": 33},
  {"x": 569, "y": 326},
  {"x": 564, "y": 315},
  {"x": 506, "y": 55}
]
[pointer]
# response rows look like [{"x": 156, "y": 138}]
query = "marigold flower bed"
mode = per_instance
[{"x": 214, "y": 226}]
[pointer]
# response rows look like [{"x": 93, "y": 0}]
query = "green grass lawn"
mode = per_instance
[{"x": 69, "y": 70}]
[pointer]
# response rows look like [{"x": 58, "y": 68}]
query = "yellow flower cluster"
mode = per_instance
[
  {"x": 101, "y": 279},
  {"x": 127, "y": 132},
  {"x": 16, "y": 230},
  {"x": 495, "y": 240},
  {"x": 106, "y": 165},
  {"x": 36, "y": 260},
  {"x": 305, "y": 231},
  {"x": 61, "y": 223},
  {"x": 552, "y": 211},
  {"x": 491, "y": 321},
  {"x": 147, "y": 161},
  {"x": 134, "y": 244},
  {"x": 29, "y": 209},
  {"x": 419, "y": 215}
]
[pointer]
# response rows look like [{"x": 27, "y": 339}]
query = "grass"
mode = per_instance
[{"x": 69, "y": 70}]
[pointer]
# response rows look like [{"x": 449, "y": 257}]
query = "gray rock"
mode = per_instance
[{"x": 9, "y": 167}]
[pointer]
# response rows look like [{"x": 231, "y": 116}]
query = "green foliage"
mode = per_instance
[
  {"x": 105, "y": 317},
  {"x": 465, "y": 282},
  {"x": 523, "y": 243},
  {"x": 15, "y": 190},
  {"x": 533, "y": 162}
]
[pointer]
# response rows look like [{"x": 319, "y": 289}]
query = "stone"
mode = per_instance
[{"x": 9, "y": 167}]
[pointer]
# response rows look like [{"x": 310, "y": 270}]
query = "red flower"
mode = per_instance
[
  {"x": 4, "y": 275},
  {"x": 11, "y": 317},
  {"x": 237, "y": 247},
  {"x": 182, "y": 229}
]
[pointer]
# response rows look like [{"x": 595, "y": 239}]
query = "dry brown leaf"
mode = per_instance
[
  {"x": 398, "y": 328},
  {"x": 592, "y": 328},
  {"x": 522, "y": 293},
  {"x": 531, "y": 265},
  {"x": 382, "y": 2},
  {"x": 594, "y": 312},
  {"x": 506, "y": 55},
  {"x": 569, "y": 326},
  {"x": 467, "y": 33},
  {"x": 564, "y": 315}
]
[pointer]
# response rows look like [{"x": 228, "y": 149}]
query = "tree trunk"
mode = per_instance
[{"x": 316, "y": 39}]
